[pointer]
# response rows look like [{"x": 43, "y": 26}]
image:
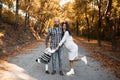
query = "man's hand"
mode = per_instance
[{"x": 57, "y": 48}]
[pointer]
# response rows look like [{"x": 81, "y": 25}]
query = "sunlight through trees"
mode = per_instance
[{"x": 93, "y": 19}]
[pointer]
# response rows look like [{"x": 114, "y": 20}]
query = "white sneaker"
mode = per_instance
[
  {"x": 84, "y": 59},
  {"x": 71, "y": 72}
]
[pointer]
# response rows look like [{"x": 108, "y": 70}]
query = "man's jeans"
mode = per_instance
[{"x": 54, "y": 56}]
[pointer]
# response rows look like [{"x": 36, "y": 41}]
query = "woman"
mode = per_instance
[{"x": 71, "y": 46}]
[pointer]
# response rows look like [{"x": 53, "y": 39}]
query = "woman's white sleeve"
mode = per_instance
[{"x": 64, "y": 38}]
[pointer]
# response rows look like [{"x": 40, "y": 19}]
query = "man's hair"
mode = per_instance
[{"x": 56, "y": 19}]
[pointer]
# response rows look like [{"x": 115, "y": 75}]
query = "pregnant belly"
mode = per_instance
[{"x": 71, "y": 45}]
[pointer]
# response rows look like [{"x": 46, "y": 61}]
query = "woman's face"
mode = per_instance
[{"x": 64, "y": 26}]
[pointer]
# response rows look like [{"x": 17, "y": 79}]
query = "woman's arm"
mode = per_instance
[{"x": 64, "y": 38}]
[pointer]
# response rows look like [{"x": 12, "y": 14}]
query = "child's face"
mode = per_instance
[{"x": 48, "y": 45}]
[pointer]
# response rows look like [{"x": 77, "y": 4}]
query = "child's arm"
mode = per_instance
[{"x": 53, "y": 51}]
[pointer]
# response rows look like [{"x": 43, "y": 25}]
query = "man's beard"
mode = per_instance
[{"x": 56, "y": 25}]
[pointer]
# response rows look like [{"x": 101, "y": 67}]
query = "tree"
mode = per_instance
[
  {"x": 17, "y": 15},
  {"x": 99, "y": 22},
  {"x": 77, "y": 27},
  {"x": 1, "y": 8},
  {"x": 47, "y": 10},
  {"x": 109, "y": 20},
  {"x": 68, "y": 13},
  {"x": 88, "y": 22},
  {"x": 27, "y": 15},
  {"x": 9, "y": 3}
]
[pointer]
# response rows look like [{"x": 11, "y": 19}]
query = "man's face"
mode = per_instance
[{"x": 56, "y": 22}]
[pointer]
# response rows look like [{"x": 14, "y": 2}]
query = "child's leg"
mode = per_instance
[{"x": 46, "y": 69}]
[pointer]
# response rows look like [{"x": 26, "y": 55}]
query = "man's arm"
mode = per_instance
[{"x": 48, "y": 37}]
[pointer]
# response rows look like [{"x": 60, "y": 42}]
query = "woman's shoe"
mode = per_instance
[
  {"x": 71, "y": 72},
  {"x": 84, "y": 59}
]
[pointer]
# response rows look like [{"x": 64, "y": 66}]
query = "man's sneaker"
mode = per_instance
[
  {"x": 61, "y": 73},
  {"x": 53, "y": 72}
]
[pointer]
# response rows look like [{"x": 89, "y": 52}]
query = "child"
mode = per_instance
[
  {"x": 49, "y": 52},
  {"x": 45, "y": 58}
]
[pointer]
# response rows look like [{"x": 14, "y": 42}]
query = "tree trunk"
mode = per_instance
[
  {"x": 118, "y": 25},
  {"x": 27, "y": 14},
  {"x": 17, "y": 15},
  {"x": 109, "y": 7},
  {"x": 88, "y": 29},
  {"x": 26, "y": 21},
  {"x": 28, "y": 17},
  {"x": 113, "y": 41},
  {"x": 88, "y": 24},
  {"x": 77, "y": 28},
  {"x": 109, "y": 20},
  {"x": 1, "y": 9},
  {"x": 99, "y": 24}
]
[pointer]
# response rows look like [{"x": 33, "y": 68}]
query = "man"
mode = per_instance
[{"x": 55, "y": 33}]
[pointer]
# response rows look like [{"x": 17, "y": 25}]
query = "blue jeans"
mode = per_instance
[{"x": 57, "y": 53}]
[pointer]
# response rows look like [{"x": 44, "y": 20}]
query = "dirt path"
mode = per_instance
[{"x": 24, "y": 67}]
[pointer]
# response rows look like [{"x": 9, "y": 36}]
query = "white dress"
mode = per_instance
[{"x": 70, "y": 45}]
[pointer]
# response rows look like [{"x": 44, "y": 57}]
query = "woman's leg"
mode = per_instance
[
  {"x": 71, "y": 68},
  {"x": 77, "y": 59},
  {"x": 71, "y": 64}
]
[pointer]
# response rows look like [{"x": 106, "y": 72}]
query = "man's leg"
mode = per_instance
[
  {"x": 54, "y": 62},
  {"x": 60, "y": 52}
]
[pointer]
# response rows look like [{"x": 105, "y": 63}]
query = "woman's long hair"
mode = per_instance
[{"x": 67, "y": 28}]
